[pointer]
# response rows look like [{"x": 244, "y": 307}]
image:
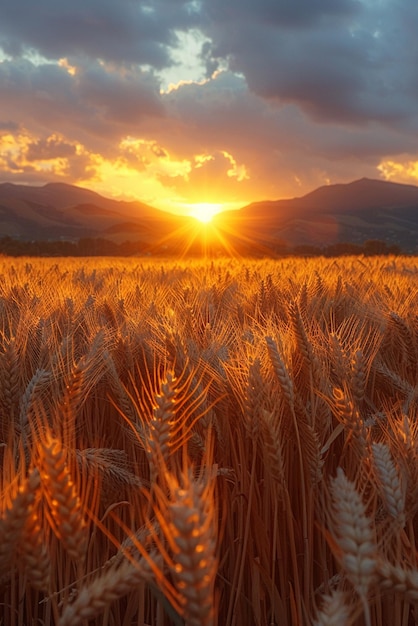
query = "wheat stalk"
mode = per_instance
[
  {"x": 281, "y": 372},
  {"x": 15, "y": 517},
  {"x": 273, "y": 446},
  {"x": 62, "y": 497},
  {"x": 352, "y": 532},
  {"x": 10, "y": 378},
  {"x": 345, "y": 411},
  {"x": 358, "y": 377},
  {"x": 303, "y": 344},
  {"x": 39, "y": 379},
  {"x": 206, "y": 323},
  {"x": 34, "y": 553},
  {"x": 389, "y": 482},
  {"x": 112, "y": 584},
  {"x": 338, "y": 356},
  {"x": 159, "y": 438},
  {"x": 189, "y": 528}
]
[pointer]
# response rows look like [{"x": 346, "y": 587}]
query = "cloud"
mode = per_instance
[
  {"x": 125, "y": 32},
  {"x": 209, "y": 178},
  {"x": 402, "y": 170},
  {"x": 94, "y": 105},
  {"x": 54, "y": 147},
  {"x": 119, "y": 97},
  {"x": 269, "y": 98},
  {"x": 279, "y": 13},
  {"x": 39, "y": 160},
  {"x": 8, "y": 125},
  {"x": 338, "y": 61}
]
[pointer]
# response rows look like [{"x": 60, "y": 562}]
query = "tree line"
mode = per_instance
[{"x": 104, "y": 247}]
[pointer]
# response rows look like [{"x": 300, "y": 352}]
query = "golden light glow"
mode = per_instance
[
  {"x": 71, "y": 69},
  {"x": 401, "y": 171},
  {"x": 204, "y": 211}
]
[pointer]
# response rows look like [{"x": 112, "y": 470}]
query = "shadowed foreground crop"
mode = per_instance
[{"x": 214, "y": 442}]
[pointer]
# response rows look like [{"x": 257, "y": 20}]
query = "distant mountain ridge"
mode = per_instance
[
  {"x": 365, "y": 193},
  {"x": 354, "y": 212},
  {"x": 61, "y": 211},
  {"x": 365, "y": 209}
]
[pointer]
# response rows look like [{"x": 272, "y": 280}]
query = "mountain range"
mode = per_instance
[
  {"x": 355, "y": 212},
  {"x": 66, "y": 212},
  {"x": 352, "y": 213}
]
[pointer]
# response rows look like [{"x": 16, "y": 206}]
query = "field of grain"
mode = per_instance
[{"x": 229, "y": 442}]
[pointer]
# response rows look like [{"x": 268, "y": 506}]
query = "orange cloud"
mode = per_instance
[
  {"x": 71, "y": 69},
  {"x": 402, "y": 171},
  {"x": 23, "y": 153},
  {"x": 137, "y": 169},
  {"x": 235, "y": 171}
]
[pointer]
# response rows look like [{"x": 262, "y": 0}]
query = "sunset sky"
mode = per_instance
[{"x": 176, "y": 102}]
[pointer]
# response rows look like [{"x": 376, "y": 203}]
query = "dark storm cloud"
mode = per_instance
[
  {"x": 341, "y": 60},
  {"x": 122, "y": 98},
  {"x": 124, "y": 31},
  {"x": 282, "y": 13}
]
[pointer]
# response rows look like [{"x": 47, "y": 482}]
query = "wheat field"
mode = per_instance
[{"x": 229, "y": 442}]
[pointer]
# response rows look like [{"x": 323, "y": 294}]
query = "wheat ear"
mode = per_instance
[
  {"x": 338, "y": 356},
  {"x": 304, "y": 346},
  {"x": 62, "y": 497},
  {"x": 303, "y": 343},
  {"x": 114, "y": 583},
  {"x": 353, "y": 535},
  {"x": 334, "y": 611},
  {"x": 280, "y": 370},
  {"x": 398, "y": 579},
  {"x": 10, "y": 379},
  {"x": 358, "y": 377},
  {"x": 389, "y": 482},
  {"x": 38, "y": 380},
  {"x": 158, "y": 438},
  {"x": 15, "y": 517},
  {"x": 34, "y": 553},
  {"x": 191, "y": 534},
  {"x": 346, "y": 413},
  {"x": 273, "y": 447}
]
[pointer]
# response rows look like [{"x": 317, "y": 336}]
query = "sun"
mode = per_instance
[{"x": 204, "y": 211}]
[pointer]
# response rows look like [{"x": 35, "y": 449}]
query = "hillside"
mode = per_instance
[
  {"x": 60, "y": 211},
  {"x": 355, "y": 212}
]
